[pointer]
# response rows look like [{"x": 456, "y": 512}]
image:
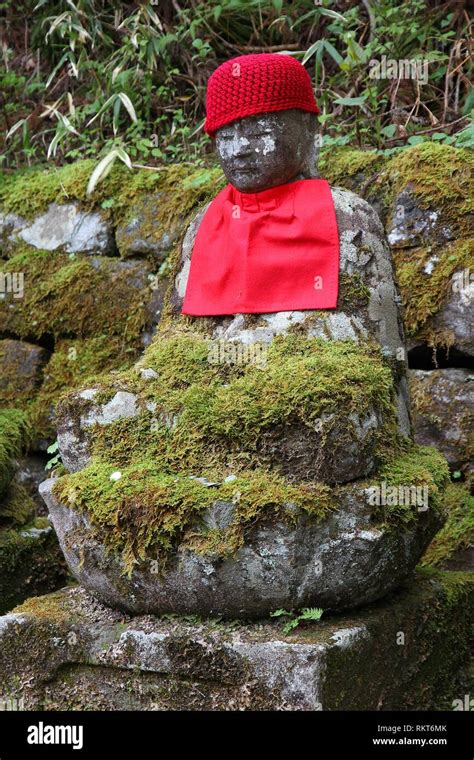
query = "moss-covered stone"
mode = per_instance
[
  {"x": 410, "y": 651},
  {"x": 29, "y": 192},
  {"x": 147, "y": 512},
  {"x": 31, "y": 562},
  {"x": 400, "y": 625},
  {"x": 21, "y": 371},
  {"x": 16, "y": 506},
  {"x": 457, "y": 533},
  {"x": 438, "y": 178},
  {"x": 424, "y": 291},
  {"x": 443, "y": 413},
  {"x": 76, "y": 296},
  {"x": 141, "y": 512},
  {"x": 14, "y": 434},
  {"x": 349, "y": 167},
  {"x": 73, "y": 363},
  {"x": 202, "y": 407}
]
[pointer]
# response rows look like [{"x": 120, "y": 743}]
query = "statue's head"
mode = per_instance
[{"x": 262, "y": 112}]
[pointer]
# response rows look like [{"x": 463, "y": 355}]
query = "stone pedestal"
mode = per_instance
[{"x": 67, "y": 651}]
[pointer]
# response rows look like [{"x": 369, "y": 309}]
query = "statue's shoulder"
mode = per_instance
[{"x": 355, "y": 213}]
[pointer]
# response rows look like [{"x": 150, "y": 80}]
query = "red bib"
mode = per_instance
[{"x": 277, "y": 250}]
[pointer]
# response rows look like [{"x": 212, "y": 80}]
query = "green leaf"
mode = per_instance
[
  {"x": 311, "y": 613},
  {"x": 333, "y": 52},
  {"x": 312, "y": 50},
  {"x": 351, "y": 101},
  {"x": 389, "y": 131},
  {"x": 290, "y": 625}
]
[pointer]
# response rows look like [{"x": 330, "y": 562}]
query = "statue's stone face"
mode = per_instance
[{"x": 263, "y": 151}]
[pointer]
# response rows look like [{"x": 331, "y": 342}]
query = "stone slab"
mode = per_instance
[{"x": 68, "y": 651}]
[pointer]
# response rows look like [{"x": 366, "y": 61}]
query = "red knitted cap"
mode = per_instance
[{"x": 258, "y": 83}]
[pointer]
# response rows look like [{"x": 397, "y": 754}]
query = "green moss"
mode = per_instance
[
  {"x": 47, "y": 607},
  {"x": 201, "y": 414},
  {"x": 146, "y": 512},
  {"x": 417, "y": 467},
  {"x": 67, "y": 296},
  {"x": 28, "y": 193},
  {"x": 14, "y": 434},
  {"x": 344, "y": 166},
  {"x": 439, "y": 176},
  {"x": 16, "y": 506},
  {"x": 458, "y": 532},
  {"x": 353, "y": 292},
  {"x": 424, "y": 294}
]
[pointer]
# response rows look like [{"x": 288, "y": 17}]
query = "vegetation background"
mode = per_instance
[{"x": 120, "y": 80}]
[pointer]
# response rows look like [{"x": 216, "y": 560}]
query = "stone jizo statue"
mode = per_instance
[{"x": 278, "y": 254}]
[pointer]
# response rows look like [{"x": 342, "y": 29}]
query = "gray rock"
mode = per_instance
[
  {"x": 142, "y": 234},
  {"x": 148, "y": 374},
  {"x": 454, "y": 322},
  {"x": 70, "y": 229},
  {"x": 69, "y": 652},
  {"x": 340, "y": 562},
  {"x": 74, "y": 429},
  {"x": 21, "y": 369},
  {"x": 443, "y": 412},
  {"x": 410, "y": 225}
]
